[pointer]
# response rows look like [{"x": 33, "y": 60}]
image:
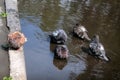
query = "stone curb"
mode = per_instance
[{"x": 16, "y": 57}]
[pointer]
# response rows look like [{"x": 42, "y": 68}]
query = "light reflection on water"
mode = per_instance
[{"x": 40, "y": 62}]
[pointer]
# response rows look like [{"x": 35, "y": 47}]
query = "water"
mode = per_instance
[{"x": 99, "y": 17}]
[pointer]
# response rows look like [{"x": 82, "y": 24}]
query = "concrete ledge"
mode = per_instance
[
  {"x": 13, "y": 17},
  {"x": 17, "y": 67},
  {"x": 16, "y": 57}
]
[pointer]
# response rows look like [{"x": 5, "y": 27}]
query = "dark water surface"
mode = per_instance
[{"x": 99, "y": 17}]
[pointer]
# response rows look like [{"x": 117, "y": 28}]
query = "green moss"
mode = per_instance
[
  {"x": 7, "y": 78},
  {"x": 3, "y": 14}
]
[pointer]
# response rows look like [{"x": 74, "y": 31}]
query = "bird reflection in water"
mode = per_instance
[{"x": 60, "y": 64}]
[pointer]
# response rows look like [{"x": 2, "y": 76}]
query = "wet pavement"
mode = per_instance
[
  {"x": 4, "y": 60},
  {"x": 99, "y": 17}
]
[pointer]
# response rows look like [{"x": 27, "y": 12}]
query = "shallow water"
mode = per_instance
[{"x": 38, "y": 17}]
